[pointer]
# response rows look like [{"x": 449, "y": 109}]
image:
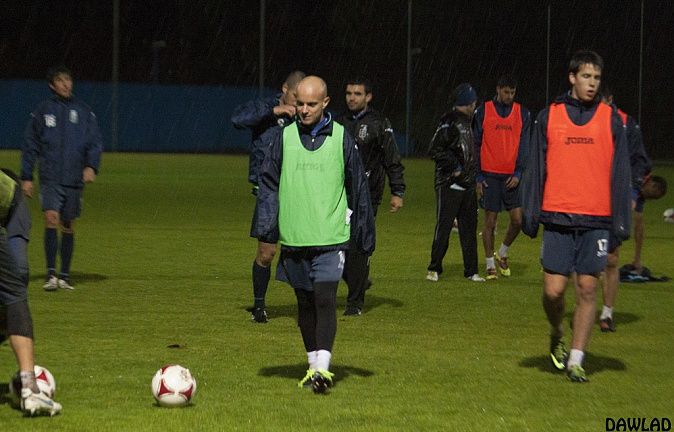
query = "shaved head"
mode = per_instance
[
  {"x": 294, "y": 78},
  {"x": 312, "y": 98},
  {"x": 312, "y": 83}
]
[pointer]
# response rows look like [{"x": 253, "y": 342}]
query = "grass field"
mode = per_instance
[{"x": 163, "y": 257}]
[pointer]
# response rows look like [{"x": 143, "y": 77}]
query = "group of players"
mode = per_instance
[
  {"x": 579, "y": 173},
  {"x": 318, "y": 183}
]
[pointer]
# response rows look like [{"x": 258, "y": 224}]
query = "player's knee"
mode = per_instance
[
  {"x": 490, "y": 221},
  {"x": 586, "y": 292},
  {"x": 516, "y": 222},
  {"x": 67, "y": 227},
  {"x": 19, "y": 321},
  {"x": 265, "y": 254},
  {"x": 51, "y": 219}
]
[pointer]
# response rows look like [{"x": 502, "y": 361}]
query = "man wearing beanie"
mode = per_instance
[{"x": 452, "y": 149}]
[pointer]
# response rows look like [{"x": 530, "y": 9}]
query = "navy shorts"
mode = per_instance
[
  {"x": 302, "y": 269},
  {"x": 581, "y": 251},
  {"x": 12, "y": 288},
  {"x": 67, "y": 201},
  {"x": 613, "y": 242},
  {"x": 497, "y": 197}
]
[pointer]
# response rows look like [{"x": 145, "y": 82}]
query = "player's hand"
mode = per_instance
[
  {"x": 634, "y": 204},
  {"x": 512, "y": 182},
  {"x": 27, "y": 188},
  {"x": 88, "y": 175},
  {"x": 288, "y": 110},
  {"x": 396, "y": 203},
  {"x": 480, "y": 187}
]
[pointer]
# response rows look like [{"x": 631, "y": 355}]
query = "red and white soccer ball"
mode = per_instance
[
  {"x": 173, "y": 386},
  {"x": 668, "y": 215},
  {"x": 45, "y": 382}
]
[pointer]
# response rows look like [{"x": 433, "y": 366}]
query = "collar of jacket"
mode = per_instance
[
  {"x": 323, "y": 127},
  {"x": 359, "y": 115}
]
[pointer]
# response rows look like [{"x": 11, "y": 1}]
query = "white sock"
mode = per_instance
[
  {"x": 575, "y": 358},
  {"x": 606, "y": 312},
  {"x": 323, "y": 360},
  {"x": 503, "y": 251},
  {"x": 311, "y": 358},
  {"x": 490, "y": 263}
]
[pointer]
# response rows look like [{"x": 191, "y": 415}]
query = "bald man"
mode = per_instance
[{"x": 313, "y": 199}]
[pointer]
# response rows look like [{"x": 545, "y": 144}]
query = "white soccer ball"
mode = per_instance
[
  {"x": 668, "y": 215},
  {"x": 173, "y": 386},
  {"x": 45, "y": 382}
]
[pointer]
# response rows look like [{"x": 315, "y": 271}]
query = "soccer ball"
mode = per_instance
[
  {"x": 668, "y": 215},
  {"x": 173, "y": 386},
  {"x": 45, "y": 382}
]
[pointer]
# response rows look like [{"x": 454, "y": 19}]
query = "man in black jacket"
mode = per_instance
[
  {"x": 263, "y": 117},
  {"x": 378, "y": 150},
  {"x": 452, "y": 149}
]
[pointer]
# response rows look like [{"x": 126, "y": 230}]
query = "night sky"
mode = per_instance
[{"x": 216, "y": 43}]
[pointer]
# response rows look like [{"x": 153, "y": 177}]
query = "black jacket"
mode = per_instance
[
  {"x": 355, "y": 183},
  {"x": 378, "y": 151},
  {"x": 453, "y": 150},
  {"x": 258, "y": 116},
  {"x": 63, "y": 138},
  {"x": 535, "y": 174}
]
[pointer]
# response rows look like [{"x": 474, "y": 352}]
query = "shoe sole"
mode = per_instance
[{"x": 320, "y": 385}]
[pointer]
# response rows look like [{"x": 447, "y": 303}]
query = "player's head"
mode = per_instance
[
  {"x": 358, "y": 94},
  {"x": 464, "y": 98},
  {"x": 505, "y": 89},
  {"x": 312, "y": 98},
  {"x": 585, "y": 70},
  {"x": 606, "y": 94},
  {"x": 654, "y": 188},
  {"x": 289, "y": 87},
  {"x": 60, "y": 81}
]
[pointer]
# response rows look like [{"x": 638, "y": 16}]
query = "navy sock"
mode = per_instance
[
  {"x": 50, "y": 248},
  {"x": 67, "y": 245},
  {"x": 261, "y": 276}
]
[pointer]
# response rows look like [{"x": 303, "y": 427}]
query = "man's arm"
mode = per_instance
[
  {"x": 534, "y": 177},
  {"x": 266, "y": 227},
  {"x": 640, "y": 163},
  {"x": 393, "y": 166},
  {"x": 30, "y": 151},
  {"x": 252, "y": 113},
  {"x": 478, "y": 119},
  {"x": 358, "y": 195},
  {"x": 523, "y": 148},
  {"x": 621, "y": 177},
  {"x": 94, "y": 148},
  {"x": 440, "y": 151}
]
